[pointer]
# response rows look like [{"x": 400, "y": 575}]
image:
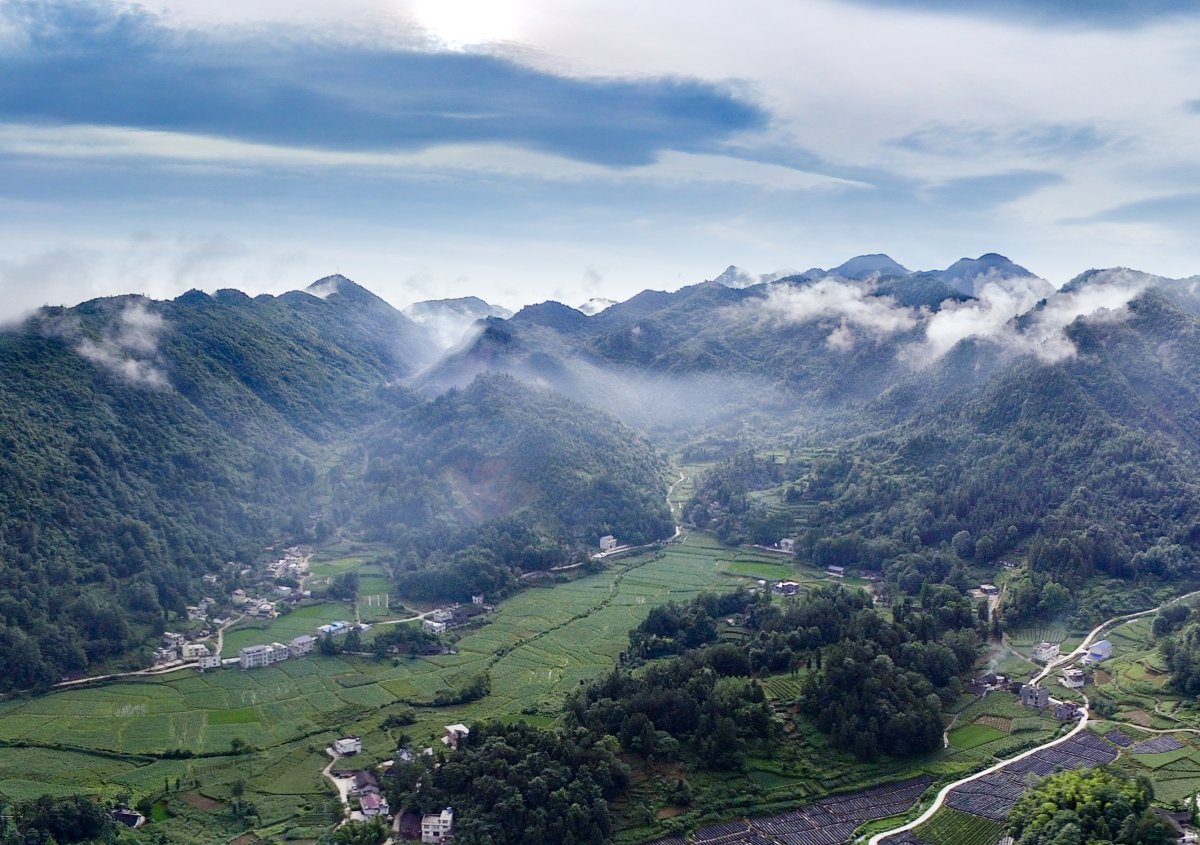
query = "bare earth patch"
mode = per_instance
[
  {"x": 1000, "y": 723},
  {"x": 200, "y": 802}
]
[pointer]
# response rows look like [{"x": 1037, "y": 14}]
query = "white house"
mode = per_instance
[
  {"x": 194, "y": 651},
  {"x": 209, "y": 661},
  {"x": 303, "y": 644},
  {"x": 455, "y": 734},
  {"x": 434, "y": 627},
  {"x": 441, "y": 615},
  {"x": 173, "y": 640},
  {"x": 786, "y": 588},
  {"x": 1045, "y": 652},
  {"x": 477, "y": 599},
  {"x": 787, "y": 544},
  {"x": 1098, "y": 651},
  {"x": 607, "y": 543},
  {"x": 1073, "y": 678},
  {"x": 253, "y": 656},
  {"x": 347, "y": 745},
  {"x": 435, "y": 829},
  {"x": 239, "y": 597}
]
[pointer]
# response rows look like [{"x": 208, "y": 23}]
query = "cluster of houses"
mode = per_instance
[
  {"x": 444, "y": 618},
  {"x": 291, "y": 565},
  {"x": 431, "y": 828},
  {"x": 179, "y": 647},
  {"x": 253, "y": 656}
]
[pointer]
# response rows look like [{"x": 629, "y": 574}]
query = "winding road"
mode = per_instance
[{"x": 1080, "y": 726}]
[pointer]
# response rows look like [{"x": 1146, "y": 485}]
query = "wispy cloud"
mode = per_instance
[
  {"x": 1093, "y": 13},
  {"x": 1042, "y": 140},
  {"x": 86, "y": 63},
  {"x": 126, "y": 346},
  {"x": 853, "y": 311}
]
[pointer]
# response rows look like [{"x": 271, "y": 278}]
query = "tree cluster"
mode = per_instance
[{"x": 1088, "y": 807}]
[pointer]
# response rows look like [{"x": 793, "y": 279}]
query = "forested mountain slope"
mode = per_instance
[{"x": 144, "y": 443}]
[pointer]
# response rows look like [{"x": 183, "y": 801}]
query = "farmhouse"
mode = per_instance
[
  {"x": 988, "y": 589},
  {"x": 1067, "y": 711},
  {"x": 607, "y": 543},
  {"x": 836, "y": 571},
  {"x": 238, "y": 597},
  {"x": 455, "y": 734},
  {"x": 129, "y": 818},
  {"x": 437, "y": 828},
  {"x": 1098, "y": 651},
  {"x": 162, "y": 655},
  {"x": 434, "y": 627},
  {"x": 477, "y": 599},
  {"x": 1073, "y": 678},
  {"x": 194, "y": 651},
  {"x": 786, "y": 588},
  {"x": 787, "y": 544},
  {"x": 1045, "y": 652},
  {"x": 302, "y": 644},
  {"x": 347, "y": 745},
  {"x": 442, "y": 614},
  {"x": 1034, "y": 696},
  {"x": 173, "y": 640},
  {"x": 209, "y": 661},
  {"x": 373, "y": 804}
]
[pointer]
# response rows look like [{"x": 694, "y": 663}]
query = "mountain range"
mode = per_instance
[{"x": 935, "y": 420}]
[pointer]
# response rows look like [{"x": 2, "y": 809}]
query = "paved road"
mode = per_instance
[{"x": 1082, "y": 725}]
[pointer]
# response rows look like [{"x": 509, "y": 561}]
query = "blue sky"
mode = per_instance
[{"x": 529, "y": 150}]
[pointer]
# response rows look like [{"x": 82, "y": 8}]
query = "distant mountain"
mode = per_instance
[
  {"x": 449, "y": 320},
  {"x": 865, "y": 266},
  {"x": 736, "y": 277},
  {"x": 968, "y": 275},
  {"x": 595, "y": 305}
]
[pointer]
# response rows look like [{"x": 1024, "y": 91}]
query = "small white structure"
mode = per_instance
[
  {"x": 173, "y": 640},
  {"x": 1045, "y": 652},
  {"x": 303, "y": 644},
  {"x": 787, "y": 544},
  {"x": 988, "y": 589},
  {"x": 210, "y": 661},
  {"x": 194, "y": 651},
  {"x": 607, "y": 543},
  {"x": 435, "y": 829},
  {"x": 1073, "y": 678},
  {"x": 1098, "y": 651},
  {"x": 209, "y": 579},
  {"x": 347, "y": 745},
  {"x": 477, "y": 599},
  {"x": 238, "y": 597},
  {"x": 455, "y": 734},
  {"x": 441, "y": 615},
  {"x": 434, "y": 627}
]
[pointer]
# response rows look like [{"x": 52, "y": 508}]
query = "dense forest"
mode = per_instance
[
  {"x": 1088, "y": 806},
  {"x": 483, "y": 483},
  {"x": 516, "y": 783},
  {"x": 874, "y": 686}
]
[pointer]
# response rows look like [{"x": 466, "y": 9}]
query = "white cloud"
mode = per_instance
[
  {"x": 127, "y": 346},
  {"x": 859, "y": 314}
]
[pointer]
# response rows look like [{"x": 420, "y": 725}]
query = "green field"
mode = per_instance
[
  {"x": 537, "y": 646},
  {"x": 971, "y": 736},
  {"x": 951, "y": 827}
]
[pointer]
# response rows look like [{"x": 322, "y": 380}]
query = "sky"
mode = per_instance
[{"x": 569, "y": 149}]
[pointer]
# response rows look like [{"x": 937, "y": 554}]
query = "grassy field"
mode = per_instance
[
  {"x": 973, "y": 735},
  {"x": 302, "y": 620}
]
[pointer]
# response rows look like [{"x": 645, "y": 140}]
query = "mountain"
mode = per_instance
[
  {"x": 595, "y": 305},
  {"x": 147, "y": 443},
  {"x": 450, "y": 320},
  {"x": 736, "y": 277},
  {"x": 968, "y": 275},
  {"x": 517, "y": 478},
  {"x": 864, "y": 266}
]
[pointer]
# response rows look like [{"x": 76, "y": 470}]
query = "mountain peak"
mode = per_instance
[
  {"x": 864, "y": 266},
  {"x": 969, "y": 274}
]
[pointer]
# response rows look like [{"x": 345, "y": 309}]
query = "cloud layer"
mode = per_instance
[
  {"x": 85, "y": 63},
  {"x": 127, "y": 346}
]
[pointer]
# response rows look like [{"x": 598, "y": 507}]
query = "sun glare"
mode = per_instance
[{"x": 466, "y": 22}]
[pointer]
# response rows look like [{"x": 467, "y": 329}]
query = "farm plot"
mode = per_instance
[
  {"x": 952, "y": 827},
  {"x": 974, "y": 735},
  {"x": 834, "y": 819},
  {"x": 993, "y": 796}
]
